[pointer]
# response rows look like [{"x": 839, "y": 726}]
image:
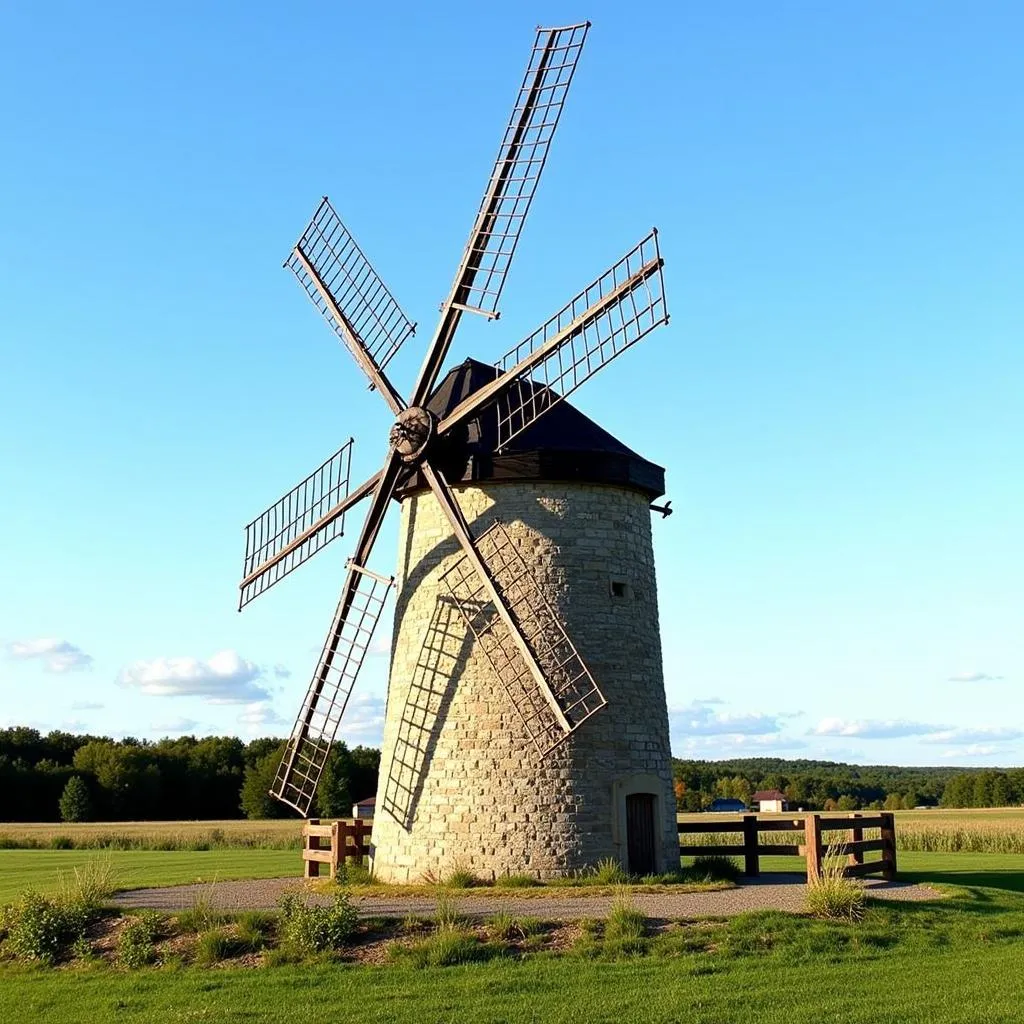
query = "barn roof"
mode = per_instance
[
  {"x": 562, "y": 445},
  {"x": 768, "y": 794}
]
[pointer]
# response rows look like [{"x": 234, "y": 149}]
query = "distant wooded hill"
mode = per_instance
[
  {"x": 828, "y": 785},
  {"x": 69, "y": 777}
]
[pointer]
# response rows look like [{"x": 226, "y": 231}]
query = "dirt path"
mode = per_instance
[{"x": 774, "y": 892}]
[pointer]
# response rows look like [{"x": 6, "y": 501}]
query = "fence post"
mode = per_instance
[
  {"x": 362, "y": 831},
  {"x": 856, "y": 835},
  {"x": 335, "y": 847},
  {"x": 889, "y": 849},
  {"x": 812, "y": 845},
  {"x": 752, "y": 864},
  {"x": 312, "y": 868}
]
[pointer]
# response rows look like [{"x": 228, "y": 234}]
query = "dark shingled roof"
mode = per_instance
[{"x": 562, "y": 445}]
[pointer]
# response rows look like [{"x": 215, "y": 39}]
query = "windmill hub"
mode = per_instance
[{"x": 412, "y": 433}]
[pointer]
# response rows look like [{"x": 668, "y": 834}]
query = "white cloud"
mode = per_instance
[
  {"x": 225, "y": 678},
  {"x": 974, "y": 750},
  {"x": 86, "y": 705},
  {"x": 282, "y": 671},
  {"x": 974, "y": 677},
  {"x": 736, "y": 744},
  {"x": 56, "y": 655},
  {"x": 363, "y": 720},
  {"x": 873, "y": 729},
  {"x": 697, "y": 719},
  {"x": 379, "y": 647},
  {"x": 995, "y": 734},
  {"x": 260, "y": 716}
]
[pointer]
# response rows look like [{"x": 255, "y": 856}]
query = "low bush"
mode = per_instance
[
  {"x": 136, "y": 945},
  {"x": 307, "y": 929},
  {"x": 39, "y": 929},
  {"x": 714, "y": 869}
]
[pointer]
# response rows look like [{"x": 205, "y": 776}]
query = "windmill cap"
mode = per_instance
[{"x": 562, "y": 445}]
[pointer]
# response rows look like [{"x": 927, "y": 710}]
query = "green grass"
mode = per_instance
[
  {"x": 40, "y": 869},
  {"x": 996, "y": 870},
  {"x": 935, "y": 988}
]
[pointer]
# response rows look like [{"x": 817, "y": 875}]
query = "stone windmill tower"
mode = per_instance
[{"x": 526, "y": 726}]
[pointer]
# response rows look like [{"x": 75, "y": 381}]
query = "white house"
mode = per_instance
[{"x": 769, "y": 801}]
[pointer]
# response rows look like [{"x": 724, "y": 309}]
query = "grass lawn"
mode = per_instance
[
  {"x": 40, "y": 869},
  {"x": 971, "y": 984},
  {"x": 996, "y": 870},
  {"x": 948, "y": 961}
]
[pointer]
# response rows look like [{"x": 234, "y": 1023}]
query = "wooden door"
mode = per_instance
[{"x": 640, "y": 833}]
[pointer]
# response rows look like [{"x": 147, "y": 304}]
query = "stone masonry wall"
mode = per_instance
[{"x": 461, "y": 784}]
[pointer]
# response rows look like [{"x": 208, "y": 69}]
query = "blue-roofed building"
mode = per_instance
[{"x": 727, "y": 804}]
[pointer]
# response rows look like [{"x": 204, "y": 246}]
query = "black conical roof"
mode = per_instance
[{"x": 562, "y": 445}]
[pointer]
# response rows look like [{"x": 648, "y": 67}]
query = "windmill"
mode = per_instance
[{"x": 475, "y": 599}]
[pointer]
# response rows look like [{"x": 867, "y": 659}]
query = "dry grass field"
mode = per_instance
[
  {"x": 154, "y": 835},
  {"x": 940, "y": 830}
]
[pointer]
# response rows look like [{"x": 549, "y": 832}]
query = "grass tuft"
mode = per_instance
[{"x": 833, "y": 896}]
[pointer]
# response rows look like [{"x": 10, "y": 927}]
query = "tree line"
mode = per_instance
[
  {"x": 827, "y": 785},
  {"x": 67, "y": 777}
]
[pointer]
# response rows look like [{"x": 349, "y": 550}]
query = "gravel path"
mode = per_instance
[{"x": 775, "y": 892}]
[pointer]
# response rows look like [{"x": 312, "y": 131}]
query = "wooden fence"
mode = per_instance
[
  {"x": 332, "y": 844},
  {"x": 814, "y": 847}
]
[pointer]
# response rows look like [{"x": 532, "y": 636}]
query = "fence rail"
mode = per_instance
[
  {"x": 346, "y": 839},
  {"x": 814, "y": 847}
]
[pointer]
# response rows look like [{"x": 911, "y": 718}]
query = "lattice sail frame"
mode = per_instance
[
  {"x": 366, "y": 302},
  {"x": 597, "y": 341},
  {"x": 520, "y": 160},
  {"x": 305, "y": 504},
  {"x": 569, "y": 679},
  {"x": 317, "y": 723}
]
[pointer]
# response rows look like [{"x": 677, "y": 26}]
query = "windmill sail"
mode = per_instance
[
  {"x": 625, "y": 303},
  {"x": 354, "y": 301},
  {"x": 569, "y": 680},
  {"x": 517, "y": 169},
  {"x": 317, "y": 723},
  {"x": 298, "y": 525}
]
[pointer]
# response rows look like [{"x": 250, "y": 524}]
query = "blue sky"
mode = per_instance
[{"x": 837, "y": 399}]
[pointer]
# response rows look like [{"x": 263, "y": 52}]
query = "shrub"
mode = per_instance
[
  {"x": 308, "y": 929},
  {"x": 41, "y": 930},
  {"x": 714, "y": 869},
  {"x": 135, "y": 944},
  {"x": 833, "y": 896}
]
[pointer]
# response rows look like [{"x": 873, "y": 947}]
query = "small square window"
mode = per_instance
[{"x": 619, "y": 588}]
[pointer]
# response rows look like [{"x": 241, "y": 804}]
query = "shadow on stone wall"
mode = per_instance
[{"x": 443, "y": 654}]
